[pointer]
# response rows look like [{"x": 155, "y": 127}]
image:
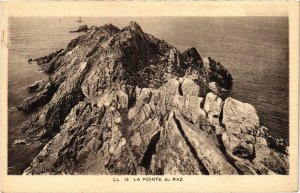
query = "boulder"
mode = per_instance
[
  {"x": 193, "y": 87},
  {"x": 192, "y": 58},
  {"x": 215, "y": 88},
  {"x": 262, "y": 131},
  {"x": 242, "y": 163},
  {"x": 173, "y": 155},
  {"x": 122, "y": 99},
  {"x": 191, "y": 108},
  {"x": 37, "y": 86},
  {"x": 172, "y": 87},
  {"x": 215, "y": 72},
  {"x": 46, "y": 91},
  {"x": 189, "y": 87},
  {"x": 246, "y": 137},
  {"x": 239, "y": 117},
  {"x": 236, "y": 146},
  {"x": 261, "y": 140},
  {"x": 213, "y": 107}
]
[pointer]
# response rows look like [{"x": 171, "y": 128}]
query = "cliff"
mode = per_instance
[{"x": 120, "y": 101}]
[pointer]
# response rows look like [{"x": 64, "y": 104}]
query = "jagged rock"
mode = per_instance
[
  {"x": 47, "y": 122},
  {"x": 277, "y": 144},
  {"x": 82, "y": 28},
  {"x": 237, "y": 146},
  {"x": 217, "y": 73},
  {"x": 230, "y": 142},
  {"x": 261, "y": 169},
  {"x": 216, "y": 89},
  {"x": 47, "y": 59},
  {"x": 270, "y": 159},
  {"x": 207, "y": 70},
  {"x": 247, "y": 138},
  {"x": 209, "y": 155},
  {"x": 20, "y": 142},
  {"x": 172, "y": 87},
  {"x": 219, "y": 130},
  {"x": 213, "y": 107},
  {"x": 173, "y": 154},
  {"x": 262, "y": 131},
  {"x": 122, "y": 99},
  {"x": 192, "y": 109},
  {"x": 189, "y": 87},
  {"x": 239, "y": 117},
  {"x": 261, "y": 140},
  {"x": 203, "y": 87},
  {"x": 37, "y": 86},
  {"x": 128, "y": 103},
  {"x": 46, "y": 91},
  {"x": 189, "y": 106},
  {"x": 192, "y": 58}
]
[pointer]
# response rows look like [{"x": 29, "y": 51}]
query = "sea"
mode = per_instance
[{"x": 254, "y": 49}]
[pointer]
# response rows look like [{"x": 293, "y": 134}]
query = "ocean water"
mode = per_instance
[{"x": 254, "y": 49}]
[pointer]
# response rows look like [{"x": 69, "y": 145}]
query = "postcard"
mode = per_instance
[{"x": 151, "y": 96}]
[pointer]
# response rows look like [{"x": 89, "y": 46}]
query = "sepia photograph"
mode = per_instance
[
  {"x": 148, "y": 96},
  {"x": 169, "y": 95}
]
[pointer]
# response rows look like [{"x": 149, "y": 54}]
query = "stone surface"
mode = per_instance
[
  {"x": 270, "y": 159},
  {"x": 230, "y": 143},
  {"x": 209, "y": 155},
  {"x": 219, "y": 130},
  {"x": 246, "y": 137},
  {"x": 192, "y": 58},
  {"x": 189, "y": 106},
  {"x": 37, "y": 86},
  {"x": 262, "y": 131},
  {"x": 45, "y": 90},
  {"x": 261, "y": 140},
  {"x": 215, "y": 88},
  {"x": 213, "y": 107},
  {"x": 239, "y": 117},
  {"x": 189, "y": 87},
  {"x": 236, "y": 146}
]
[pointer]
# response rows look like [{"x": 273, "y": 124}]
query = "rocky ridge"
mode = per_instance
[
  {"x": 120, "y": 101},
  {"x": 82, "y": 28}
]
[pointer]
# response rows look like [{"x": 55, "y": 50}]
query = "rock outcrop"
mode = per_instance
[
  {"x": 239, "y": 117},
  {"x": 82, "y": 28},
  {"x": 44, "y": 89},
  {"x": 125, "y": 102}
]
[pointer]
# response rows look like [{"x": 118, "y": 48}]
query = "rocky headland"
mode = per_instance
[
  {"x": 82, "y": 28},
  {"x": 120, "y": 101}
]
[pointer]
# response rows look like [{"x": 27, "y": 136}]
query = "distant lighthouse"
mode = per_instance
[{"x": 79, "y": 20}]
